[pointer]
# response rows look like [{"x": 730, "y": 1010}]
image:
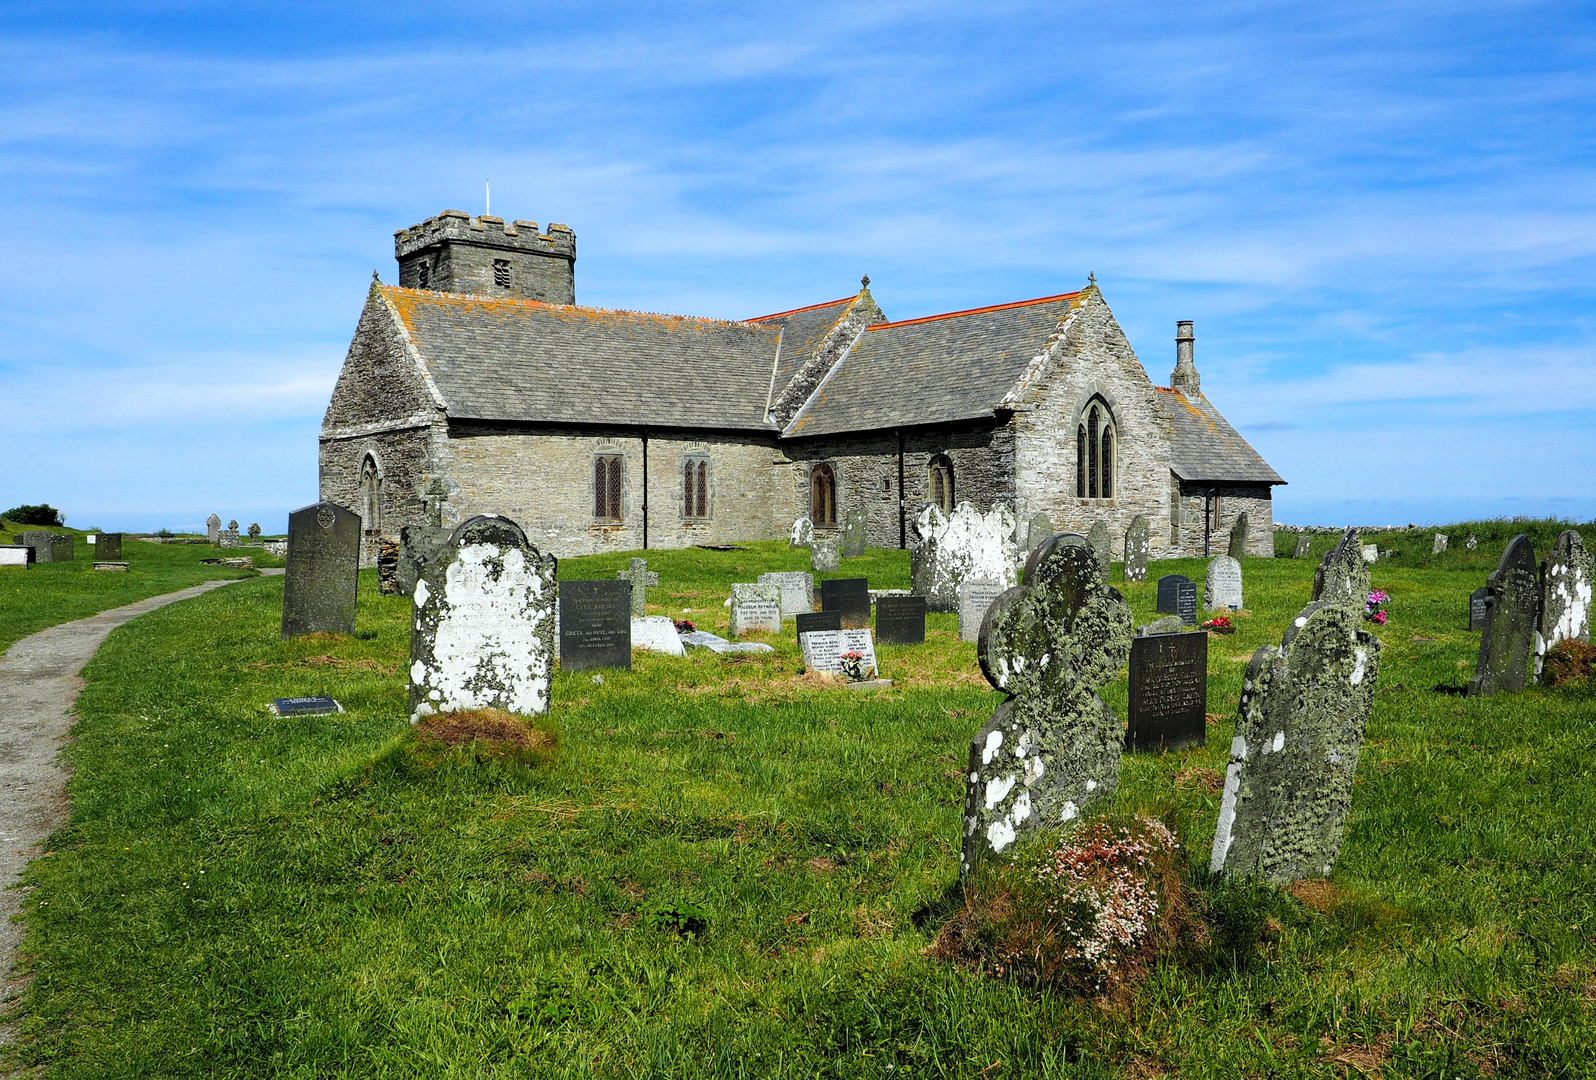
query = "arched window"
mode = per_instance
[
  {"x": 607, "y": 488},
  {"x": 1096, "y": 465},
  {"x": 1107, "y": 463},
  {"x": 370, "y": 495},
  {"x": 939, "y": 483},
  {"x": 823, "y": 496},
  {"x": 695, "y": 488},
  {"x": 1080, "y": 462}
]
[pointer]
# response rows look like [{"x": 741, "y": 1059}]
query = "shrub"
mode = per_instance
[
  {"x": 43, "y": 514},
  {"x": 483, "y": 735}
]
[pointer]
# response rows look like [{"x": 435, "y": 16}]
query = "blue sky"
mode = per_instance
[{"x": 1381, "y": 217}]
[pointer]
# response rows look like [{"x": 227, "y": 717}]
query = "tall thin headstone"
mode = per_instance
[
  {"x": 641, "y": 578},
  {"x": 1136, "y": 549},
  {"x": 1566, "y": 581},
  {"x": 1102, "y": 545},
  {"x": 1238, "y": 537},
  {"x": 1050, "y": 753},
  {"x": 323, "y": 569},
  {"x": 854, "y": 528},
  {"x": 1342, "y": 577},
  {"x": 213, "y": 529},
  {"x": 482, "y": 636},
  {"x": 967, "y": 544},
  {"x": 1512, "y": 597},
  {"x": 1304, "y": 711},
  {"x": 1304, "y": 542},
  {"x": 1223, "y": 586}
]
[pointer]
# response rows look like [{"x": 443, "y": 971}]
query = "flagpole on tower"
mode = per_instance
[{"x": 487, "y": 198}]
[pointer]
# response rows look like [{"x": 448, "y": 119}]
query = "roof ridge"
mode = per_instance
[
  {"x": 799, "y": 310},
  {"x": 978, "y": 311},
  {"x": 525, "y": 302}
]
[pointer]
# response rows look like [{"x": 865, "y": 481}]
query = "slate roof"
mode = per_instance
[
  {"x": 932, "y": 370},
  {"x": 522, "y": 360},
  {"x": 803, "y": 330},
  {"x": 1203, "y": 445}
]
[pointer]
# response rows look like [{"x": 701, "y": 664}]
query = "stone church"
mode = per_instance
[{"x": 479, "y": 385}]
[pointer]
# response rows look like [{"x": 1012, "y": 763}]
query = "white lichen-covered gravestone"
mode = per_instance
[
  {"x": 964, "y": 545},
  {"x": 797, "y": 589},
  {"x": 802, "y": 533},
  {"x": 483, "y": 629},
  {"x": 1137, "y": 544},
  {"x": 1051, "y": 752},
  {"x": 825, "y": 553},
  {"x": 1222, "y": 588},
  {"x": 1342, "y": 577},
  {"x": 1440, "y": 543},
  {"x": 1566, "y": 585},
  {"x": 1301, "y": 550},
  {"x": 1304, "y": 710}
]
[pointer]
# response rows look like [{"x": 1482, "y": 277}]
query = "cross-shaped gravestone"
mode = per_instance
[
  {"x": 641, "y": 578},
  {"x": 1051, "y": 751}
]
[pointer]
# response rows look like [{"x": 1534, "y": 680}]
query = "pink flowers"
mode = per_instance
[
  {"x": 685, "y": 626},
  {"x": 1371, "y": 607},
  {"x": 853, "y": 666}
]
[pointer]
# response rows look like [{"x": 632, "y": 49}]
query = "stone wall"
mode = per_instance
[
  {"x": 1254, "y": 499},
  {"x": 404, "y": 461}
]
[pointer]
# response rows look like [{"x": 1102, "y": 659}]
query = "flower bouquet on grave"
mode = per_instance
[
  {"x": 1219, "y": 624},
  {"x": 853, "y": 667},
  {"x": 685, "y": 626},
  {"x": 1372, "y": 611}
]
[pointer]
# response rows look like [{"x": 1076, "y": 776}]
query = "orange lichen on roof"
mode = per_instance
[
  {"x": 1186, "y": 401},
  {"x": 801, "y": 310},
  {"x": 406, "y": 300},
  {"x": 977, "y": 311}
]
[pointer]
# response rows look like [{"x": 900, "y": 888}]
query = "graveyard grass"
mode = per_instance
[{"x": 733, "y": 871}]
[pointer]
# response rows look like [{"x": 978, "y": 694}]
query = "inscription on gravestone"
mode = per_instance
[
  {"x": 1186, "y": 602},
  {"x": 323, "y": 568},
  {"x": 900, "y": 620},
  {"x": 810, "y": 622},
  {"x": 797, "y": 590},
  {"x": 108, "y": 547},
  {"x": 305, "y": 706},
  {"x": 850, "y": 597},
  {"x": 595, "y": 625},
  {"x": 755, "y": 607},
  {"x": 824, "y": 649},
  {"x": 1223, "y": 588},
  {"x": 975, "y": 597},
  {"x": 1477, "y": 607},
  {"x": 1168, "y": 692},
  {"x": 1168, "y": 590}
]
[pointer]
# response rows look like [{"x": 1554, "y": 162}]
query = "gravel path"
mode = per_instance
[{"x": 38, "y": 685}]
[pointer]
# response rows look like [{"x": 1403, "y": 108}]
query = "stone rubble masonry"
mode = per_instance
[{"x": 459, "y": 252}]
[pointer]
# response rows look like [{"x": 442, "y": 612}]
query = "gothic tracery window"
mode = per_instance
[
  {"x": 823, "y": 496},
  {"x": 607, "y": 488},
  {"x": 695, "y": 488},
  {"x": 1096, "y": 462}
]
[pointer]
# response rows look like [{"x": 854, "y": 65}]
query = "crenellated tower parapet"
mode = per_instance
[{"x": 483, "y": 256}]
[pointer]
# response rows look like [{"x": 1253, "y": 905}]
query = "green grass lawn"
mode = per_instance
[
  {"x": 46, "y": 594},
  {"x": 240, "y": 895}
]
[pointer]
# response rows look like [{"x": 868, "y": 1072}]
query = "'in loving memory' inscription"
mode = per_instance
[{"x": 1168, "y": 691}]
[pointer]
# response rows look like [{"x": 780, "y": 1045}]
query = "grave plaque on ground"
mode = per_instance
[
  {"x": 1050, "y": 753},
  {"x": 1440, "y": 544},
  {"x": 825, "y": 553},
  {"x": 595, "y": 625},
  {"x": 975, "y": 597},
  {"x": 418, "y": 544},
  {"x": 853, "y": 533},
  {"x": 802, "y": 533},
  {"x": 850, "y": 597},
  {"x": 108, "y": 547},
  {"x": 213, "y": 529},
  {"x": 967, "y": 545},
  {"x": 656, "y": 633},
  {"x": 1477, "y": 608},
  {"x": 16, "y": 555},
  {"x": 1342, "y": 577},
  {"x": 388, "y": 566},
  {"x": 1508, "y": 638},
  {"x": 323, "y": 568},
  {"x": 1238, "y": 537},
  {"x": 305, "y": 706},
  {"x": 1168, "y": 692},
  {"x": 755, "y": 607},
  {"x": 1566, "y": 579},
  {"x": 482, "y": 635},
  {"x": 797, "y": 590},
  {"x": 1301, "y": 550},
  {"x": 1223, "y": 587},
  {"x": 1168, "y": 590},
  {"x": 641, "y": 578},
  {"x": 900, "y": 620},
  {"x": 1102, "y": 545},
  {"x": 1304, "y": 711},
  {"x": 1136, "y": 546},
  {"x": 810, "y": 622},
  {"x": 703, "y": 639}
]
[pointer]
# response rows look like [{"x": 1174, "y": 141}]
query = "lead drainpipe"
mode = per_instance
[
  {"x": 1208, "y": 520},
  {"x": 903, "y": 526},
  {"x": 645, "y": 491}
]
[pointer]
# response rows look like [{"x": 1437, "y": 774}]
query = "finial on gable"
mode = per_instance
[
  {"x": 1091, "y": 278},
  {"x": 864, "y": 282},
  {"x": 374, "y": 276}
]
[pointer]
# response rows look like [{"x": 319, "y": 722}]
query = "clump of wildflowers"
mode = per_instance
[{"x": 1372, "y": 612}]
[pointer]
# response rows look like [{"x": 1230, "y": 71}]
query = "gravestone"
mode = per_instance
[
  {"x": 853, "y": 533},
  {"x": 1169, "y": 624},
  {"x": 595, "y": 625},
  {"x": 228, "y": 538},
  {"x": 482, "y": 636},
  {"x": 641, "y": 578},
  {"x": 966, "y": 545},
  {"x": 1050, "y": 753},
  {"x": 1477, "y": 608},
  {"x": 254, "y": 530},
  {"x": 213, "y": 529},
  {"x": 1101, "y": 544},
  {"x": 802, "y": 533},
  {"x": 810, "y": 622},
  {"x": 108, "y": 547},
  {"x": 388, "y": 566},
  {"x": 1439, "y": 545},
  {"x": 42, "y": 542},
  {"x": 323, "y": 568},
  {"x": 1222, "y": 589},
  {"x": 1471, "y": 543},
  {"x": 16, "y": 555},
  {"x": 1038, "y": 532},
  {"x": 418, "y": 545},
  {"x": 279, "y": 548},
  {"x": 1136, "y": 549},
  {"x": 61, "y": 545},
  {"x": 1186, "y": 602},
  {"x": 1342, "y": 576},
  {"x": 825, "y": 553},
  {"x": 1371, "y": 553},
  {"x": 900, "y": 620},
  {"x": 975, "y": 597},
  {"x": 1168, "y": 691},
  {"x": 1238, "y": 537},
  {"x": 1566, "y": 578},
  {"x": 1508, "y": 637},
  {"x": 703, "y": 639},
  {"x": 824, "y": 649},
  {"x": 1168, "y": 590},
  {"x": 305, "y": 706},
  {"x": 755, "y": 607},
  {"x": 797, "y": 590},
  {"x": 1301, "y": 550},
  {"x": 1304, "y": 710},
  {"x": 656, "y": 633},
  {"x": 850, "y": 597}
]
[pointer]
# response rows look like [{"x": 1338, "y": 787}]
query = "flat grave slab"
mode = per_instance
[
  {"x": 1168, "y": 691},
  {"x": 305, "y": 706},
  {"x": 656, "y": 633},
  {"x": 16, "y": 555},
  {"x": 111, "y": 567},
  {"x": 703, "y": 639}
]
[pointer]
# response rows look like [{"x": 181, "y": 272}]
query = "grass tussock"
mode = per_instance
[
  {"x": 483, "y": 735},
  {"x": 1570, "y": 663}
]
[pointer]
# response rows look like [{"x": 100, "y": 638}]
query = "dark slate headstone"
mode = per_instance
[
  {"x": 1477, "y": 607},
  {"x": 850, "y": 597},
  {"x": 595, "y": 625},
  {"x": 900, "y": 620},
  {"x": 853, "y": 532},
  {"x": 418, "y": 545},
  {"x": 323, "y": 568},
  {"x": 1238, "y": 537},
  {"x": 1508, "y": 638},
  {"x": 1136, "y": 549},
  {"x": 62, "y": 543},
  {"x": 1168, "y": 590},
  {"x": 305, "y": 706},
  {"x": 1186, "y": 602},
  {"x": 809, "y": 621},
  {"x": 1168, "y": 692},
  {"x": 108, "y": 547}
]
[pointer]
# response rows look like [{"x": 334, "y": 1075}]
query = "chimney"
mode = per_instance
[{"x": 1185, "y": 377}]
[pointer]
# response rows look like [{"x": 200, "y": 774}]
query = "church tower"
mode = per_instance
[{"x": 482, "y": 256}]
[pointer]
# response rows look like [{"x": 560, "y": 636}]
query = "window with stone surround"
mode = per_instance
[
  {"x": 823, "y": 496},
  {"x": 370, "y": 495},
  {"x": 939, "y": 483},
  {"x": 695, "y": 489},
  {"x": 423, "y": 274},
  {"x": 1096, "y": 459},
  {"x": 607, "y": 489},
  {"x": 501, "y": 273}
]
